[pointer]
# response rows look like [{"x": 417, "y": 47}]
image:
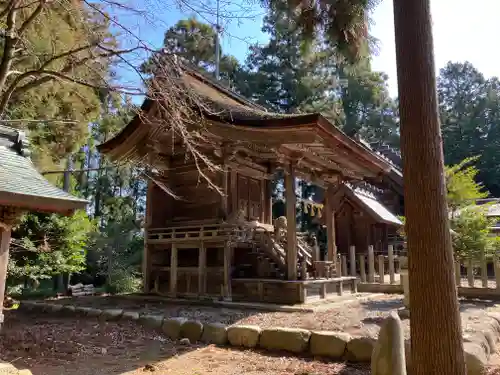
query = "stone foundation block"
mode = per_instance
[
  {"x": 172, "y": 327},
  {"x": 246, "y": 336},
  {"x": 130, "y": 315},
  {"x": 68, "y": 309},
  {"x": 94, "y": 313},
  {"x": 293, "y": 340},
  {"x": 111, "y": 314},
  {"x": 329, "y": 344},
  {"x": 476, "y": 358},
  {"x": 151, "y": 321},
  {"x": 214, "y": 333},
  {"x": 80, "y": 310},
  {"x": 55, "y": 308},
  {"x": 26, "y": 306},
  {"x": 192, "y": 330},
  {"x": 360, "y": 349}
]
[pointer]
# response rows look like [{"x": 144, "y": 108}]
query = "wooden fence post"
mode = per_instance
[
  {"x": 352, "y": 260},
  {"x": 371, "y": 265}
]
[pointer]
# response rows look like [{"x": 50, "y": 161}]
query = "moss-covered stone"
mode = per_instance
[
  {"x": 214, "y": 333},
  {"x": 172, "y": 327},
  {"x": 111, "y": 314},
  {"x": 360, "y": 349},
  {"x": 293, "y": 340},
  {"x": 246, "y": 336},
  {"x": 151, "y": 321},
  {"x": 329, "y": 344},
  {"x": 192, "y": 329}
]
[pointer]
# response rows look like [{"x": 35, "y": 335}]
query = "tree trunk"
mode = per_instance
[{"x": 436, "y": 337}]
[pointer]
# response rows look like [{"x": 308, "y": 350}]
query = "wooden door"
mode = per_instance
[{"x": 250, "y": 197}]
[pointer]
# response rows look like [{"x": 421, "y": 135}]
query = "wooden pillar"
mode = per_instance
[
  {"x": 234, "y": 191},
  {"x": 291, "y": 201},
  {"x": 227, "y": 270},
  {"x": 146, "y": 259},
  {"x": 202, "y": 270},
  {"x": 269, "y": 201},
  {"x": 4, "y": 260},
  {"x": 330, "y": 224},
  {"x": 263, "y": 201},
  {"x": 173, "y": 271},
  {"x": 225, "y": 188}
]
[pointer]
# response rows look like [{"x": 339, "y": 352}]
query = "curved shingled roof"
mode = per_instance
[
  {"x": 225, "y": 107},
  {"x": 21, "y": 185}
]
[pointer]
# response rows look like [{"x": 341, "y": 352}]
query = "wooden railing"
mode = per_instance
[
  {"x": 267, "y": 243},
  {"x": 188, "y": 233}
]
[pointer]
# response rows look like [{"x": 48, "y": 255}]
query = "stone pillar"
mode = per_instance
[
  {"x": 291, "y": 217},
  {"x": 403, "y": 274}
]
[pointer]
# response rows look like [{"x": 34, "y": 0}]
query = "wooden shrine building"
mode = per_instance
[
  {"x": 23, "y": 189},
  {"x": 203, "y": 244}
]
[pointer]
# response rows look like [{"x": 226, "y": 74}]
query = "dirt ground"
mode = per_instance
[
  {"x": 357, "y": 317},
  {"x": 63, "y": 346},
  {"x": 49, "y": 345}
]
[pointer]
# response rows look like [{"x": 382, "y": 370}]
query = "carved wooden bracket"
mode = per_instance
[{"x": 10, "y": 216}]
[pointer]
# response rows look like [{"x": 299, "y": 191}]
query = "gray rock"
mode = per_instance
[
  {"x": 293, "y": 340},
  {"x": 360, "y": 349},
  {"x": 93, "y": 313},
  {"x": 69, "y": 309},
  {"x": 111, "y": 314},
  {"x": 130, "y": 315},
  {"x": 172, "y": 327},
  {"x": 151, "y": 321},
  {"x": 388, "y": 356},
  {"x": 329, "y": 344},
  {"x": 56, "y": 308},
  {"x": 214, "y": 333},
  {"x": 184, "y": 341},
  {"x": 246, "y": 336},
  {"x": 192, "y": 330},
  {"x": 27, "y": 306}
]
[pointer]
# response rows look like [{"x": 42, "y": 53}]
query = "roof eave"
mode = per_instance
[{"x": 42, "y": 204}]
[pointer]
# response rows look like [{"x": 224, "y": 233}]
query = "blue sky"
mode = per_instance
[{"x": 462, "y": 31}]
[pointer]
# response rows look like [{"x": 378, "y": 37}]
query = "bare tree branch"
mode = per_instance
[
  {"x": 45, "y": 76},
  {"x": 32, "y": 17}
]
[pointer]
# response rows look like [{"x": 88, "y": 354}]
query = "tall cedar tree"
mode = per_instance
[{"x": 437, "y": 347}]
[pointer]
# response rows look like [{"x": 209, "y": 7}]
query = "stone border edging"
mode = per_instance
[{"x": 478, "y": 345}]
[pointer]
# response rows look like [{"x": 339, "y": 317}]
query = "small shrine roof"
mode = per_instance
[
  {"x": 22, "y": 186},
  {"x": 318, "y": 144}
]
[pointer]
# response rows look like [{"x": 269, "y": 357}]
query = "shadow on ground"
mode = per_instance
[{"x": 64, "y": 345}]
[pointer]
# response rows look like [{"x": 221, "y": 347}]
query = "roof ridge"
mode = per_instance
[
  {"x": 192, "y": 70},
  {"x": 15, "y": 139}
]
